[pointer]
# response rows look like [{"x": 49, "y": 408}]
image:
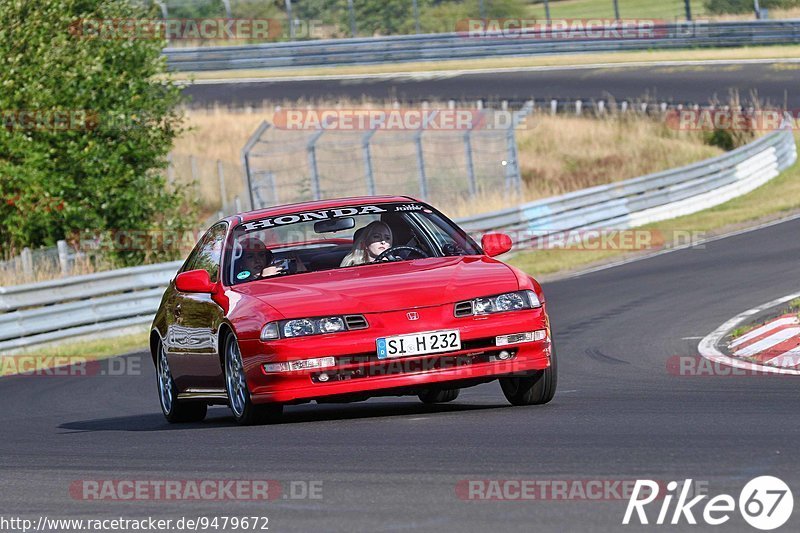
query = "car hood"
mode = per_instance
[{"x": 384, "y": 287}]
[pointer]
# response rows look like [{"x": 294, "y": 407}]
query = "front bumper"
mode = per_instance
[{"x": 359, "y": 372}]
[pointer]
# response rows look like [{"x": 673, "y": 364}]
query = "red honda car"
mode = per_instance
[{"x": 343, "y": 300}]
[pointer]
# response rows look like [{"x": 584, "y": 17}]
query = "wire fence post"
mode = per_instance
[
  {"x": 63, "y": 257},
  {"x": 352, "y": 18},
  {"x": 365, "y": 147},
  {"x": 688, "y": 9},
  {"x": 547, "y": 10},
  {"x": 289, "y": 17},
  {"x": 482, "y": 9},
  {"x": 311, "y": 148},
  {"x": 227, "y": 4},
  {"x": 616, "y": 9},
  {"x": 423, "y": 179},
  {"x": 223, "y": 196},
  {"x": 27, "y": 261},
  {"x": 416, "y": 17},
  {"x": 473, "y": 186},
  {"x": 246, "y": 167}
]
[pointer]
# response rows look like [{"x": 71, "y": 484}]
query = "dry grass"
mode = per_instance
[
  {"x": 787, "y": 13},
  {"x": 778, "y": 198}
]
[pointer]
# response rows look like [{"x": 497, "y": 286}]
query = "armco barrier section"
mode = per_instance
[
  {"x": 451, "y": 46},
  {"x": 36, "y": 313},
  {"x": 646, "y": 199},
  {"x": 80, "y": 305}
]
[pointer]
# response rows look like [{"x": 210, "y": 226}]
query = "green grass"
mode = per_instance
[
  {"x": 778, "y": 198},
  {"x": 669, "y": 10}
]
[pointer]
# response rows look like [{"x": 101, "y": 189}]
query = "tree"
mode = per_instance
[{"x": 87, "y": 122}]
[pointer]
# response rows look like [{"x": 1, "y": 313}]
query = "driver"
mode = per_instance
[
  {"x": 255, "y": 262},
  {"x": 375, "y": 239}
]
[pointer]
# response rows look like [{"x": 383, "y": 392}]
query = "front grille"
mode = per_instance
[
  {"x": 463, "y": 309},
  {"x": 356, "y": 322}
]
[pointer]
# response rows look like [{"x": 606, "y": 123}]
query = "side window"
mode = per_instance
[{"x": 208, "y": 253}]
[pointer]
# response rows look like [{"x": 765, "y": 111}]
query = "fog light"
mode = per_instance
[
  {"x": 323, "y": 377},
  {"x": 504, "y": 355},
  {"x": 302, "y": 364},
  {"x": 515, "y": 338}
]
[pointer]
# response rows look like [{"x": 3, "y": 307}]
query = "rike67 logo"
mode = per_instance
[{"x": 765, "y": 503}]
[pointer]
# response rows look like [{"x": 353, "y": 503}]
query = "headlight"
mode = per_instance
[
  {"x": 303, "y": 327},
  {"x": 298, "y": 328},
  {"x": 510, "y": 301}
]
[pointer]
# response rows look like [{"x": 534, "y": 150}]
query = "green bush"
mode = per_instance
[{"x": 100, "y": 174}]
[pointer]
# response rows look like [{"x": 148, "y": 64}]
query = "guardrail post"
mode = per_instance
[
  {"x": 311, "y": 147},
  {"x": 553, "y": 106},
  {"x": 237, "y": 204},
  {"x": 63, "y": 257},
  {"x": 423, "y": 179},
  {"x": 578, "y": 107},
  {"x": 365, "y": 140},
  {"x": 223, "y": 196}
]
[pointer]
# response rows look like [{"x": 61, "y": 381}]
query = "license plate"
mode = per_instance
[{"x": 419, "y": 343}]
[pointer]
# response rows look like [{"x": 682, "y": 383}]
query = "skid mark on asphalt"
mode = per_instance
[{"x": 597, "y": 355}]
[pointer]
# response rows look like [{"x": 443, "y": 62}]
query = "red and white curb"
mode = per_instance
[{"x": 773, "y": 347}]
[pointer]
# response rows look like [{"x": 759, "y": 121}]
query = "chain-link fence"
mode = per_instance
[{"x": 445, "y": 165}]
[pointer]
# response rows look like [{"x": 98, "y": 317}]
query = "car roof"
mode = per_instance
[{"x": 316, "y": 205}]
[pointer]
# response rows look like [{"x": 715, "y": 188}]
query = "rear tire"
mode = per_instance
[
  {"x": 175, "y": 411},
  {"x": 245, "y": 412},
  {"x": 432, "y": 396},
  {"x": 535, "y": 389}
]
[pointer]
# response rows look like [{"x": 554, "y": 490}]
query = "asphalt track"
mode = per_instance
[
  {"x": 777, "y": 84},
  {"x": 393, "y": 464}
]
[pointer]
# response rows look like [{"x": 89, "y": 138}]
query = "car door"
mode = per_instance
[{"x": 192, "y": 336}]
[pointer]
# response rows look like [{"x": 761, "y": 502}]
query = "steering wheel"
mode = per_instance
[{"x": 388, "y": 254}]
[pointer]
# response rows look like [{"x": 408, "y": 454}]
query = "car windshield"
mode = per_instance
[{"x": 342, "y": 237}]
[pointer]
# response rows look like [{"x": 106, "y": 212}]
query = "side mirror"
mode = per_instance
[
  {"x": 194, "y": 281},
  {"x": 495, "y": 244}
]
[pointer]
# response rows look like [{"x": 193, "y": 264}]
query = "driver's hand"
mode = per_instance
[{"x": 271, "y": 271}]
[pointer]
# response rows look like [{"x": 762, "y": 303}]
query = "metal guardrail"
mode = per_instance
[
  {"x": 646, "y": 199},
  {"x": 450, "y": 46},
  {"x": 54, "y": 310}
]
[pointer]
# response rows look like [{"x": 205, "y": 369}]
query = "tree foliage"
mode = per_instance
[{"x": 99, "y": 167}]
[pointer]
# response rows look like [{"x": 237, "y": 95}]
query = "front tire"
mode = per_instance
[
  {"x": 432, "y": 396},
  {"x": 175, "y": 411},
  {"x": 535, "y": 389},
  {"x": 245, "y": 412}
]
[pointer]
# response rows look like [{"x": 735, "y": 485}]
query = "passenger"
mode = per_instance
[
  {"x": 375, "y": 239},
  {"x": 255, "y": 262}
]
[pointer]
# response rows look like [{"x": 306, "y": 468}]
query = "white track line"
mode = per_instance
[
  {"x": 708, "y": 346},
  {"x": 461, "y": 72},
  {"x": 764, "y": 329}
]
